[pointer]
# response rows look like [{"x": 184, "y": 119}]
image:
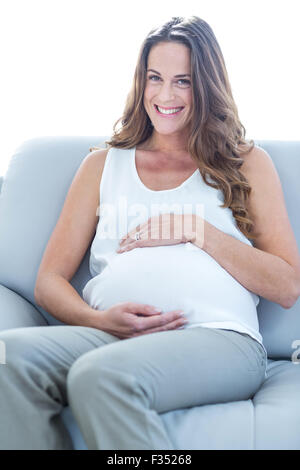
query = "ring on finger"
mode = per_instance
[{"x": 137, "y": 236}]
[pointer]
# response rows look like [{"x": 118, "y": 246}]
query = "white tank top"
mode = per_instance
[{"x": 179, "y": 276}]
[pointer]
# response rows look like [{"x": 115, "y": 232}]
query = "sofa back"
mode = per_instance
[
  {"x": 35, "y": 185},
  {"x": 33, "y": 192},
  {"x": 280, "y": 327}
]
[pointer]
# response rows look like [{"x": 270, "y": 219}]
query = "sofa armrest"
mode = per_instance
[{"x": 17, "y": 312}]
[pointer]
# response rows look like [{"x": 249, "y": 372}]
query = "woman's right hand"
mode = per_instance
[{"x": 130, "y": 319}]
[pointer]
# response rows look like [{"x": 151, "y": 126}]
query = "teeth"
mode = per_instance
[{"x": 168, "y": 111}]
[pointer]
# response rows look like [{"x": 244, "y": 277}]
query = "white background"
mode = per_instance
[{"x": 67, "y": 65}]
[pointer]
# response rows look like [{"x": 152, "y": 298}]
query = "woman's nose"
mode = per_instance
[{"x": 166, "y": 94}]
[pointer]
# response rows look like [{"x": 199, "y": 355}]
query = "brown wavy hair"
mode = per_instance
[{"x": 217, "y": 137}]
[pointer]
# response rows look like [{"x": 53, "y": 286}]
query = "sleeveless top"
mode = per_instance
[{"x": 179, "y": 276}]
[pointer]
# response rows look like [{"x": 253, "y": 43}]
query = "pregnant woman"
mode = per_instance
[{"x": 185, "y": 217}]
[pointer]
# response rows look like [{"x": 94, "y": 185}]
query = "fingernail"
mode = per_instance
[{"x": 157, "y": 310}]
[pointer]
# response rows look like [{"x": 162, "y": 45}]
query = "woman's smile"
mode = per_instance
[{"x": 168, "y": 112}]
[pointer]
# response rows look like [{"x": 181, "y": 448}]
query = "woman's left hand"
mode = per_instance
[{"x": 164, "y": 229}]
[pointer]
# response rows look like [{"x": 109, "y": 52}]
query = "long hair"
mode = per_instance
[{"x": 216, "y": 139}]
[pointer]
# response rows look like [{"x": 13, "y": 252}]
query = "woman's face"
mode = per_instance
[{"x": 164, "y": 89}]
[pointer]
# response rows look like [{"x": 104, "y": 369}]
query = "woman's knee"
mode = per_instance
[
  {"x": 92, "y": 364},
  {"x": 112, "y": 365},
  {"x": 18, "y": 345}
]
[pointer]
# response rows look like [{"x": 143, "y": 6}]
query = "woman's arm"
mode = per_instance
[
  {"x": 61, "y": 300},
  {"x": 271, "y": 268},
  {"x": 68, "y": 243}
]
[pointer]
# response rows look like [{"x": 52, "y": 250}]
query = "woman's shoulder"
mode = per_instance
[
  {"x": 96, "y": 159},
  {"x": 253, "y": 160},
  {"x": 92, "y": 167}
]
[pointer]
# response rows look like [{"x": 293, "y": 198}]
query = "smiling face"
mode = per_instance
[{"x": 164, "y": 88}]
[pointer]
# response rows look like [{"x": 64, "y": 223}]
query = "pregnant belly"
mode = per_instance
[{"x": 171, "y": 277}]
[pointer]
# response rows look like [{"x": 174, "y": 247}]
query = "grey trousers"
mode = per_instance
[{"x": 117, "y": 388}]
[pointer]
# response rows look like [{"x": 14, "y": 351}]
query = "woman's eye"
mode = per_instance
[
  {"x": 153, "y": 76},
  {"x": 184, "y": 82}
]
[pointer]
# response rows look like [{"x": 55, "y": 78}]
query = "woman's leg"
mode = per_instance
[
  {"x": 33, "y": 383},
  {"x": 117, "y": 393}
]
